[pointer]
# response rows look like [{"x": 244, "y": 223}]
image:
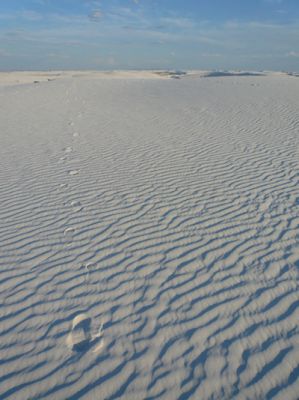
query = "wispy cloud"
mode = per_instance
[
  {"x": 30, "y": 15},
  {"x": 95, "y": 15},
  {"x": 4, "y": 53},
  {"x": 176, "y": 22},
  {"x": 273, "y": 1}
]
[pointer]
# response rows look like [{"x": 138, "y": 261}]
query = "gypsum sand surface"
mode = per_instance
[{"x": 149, "y": 241}]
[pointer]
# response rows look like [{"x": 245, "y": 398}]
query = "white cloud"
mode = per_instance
[
  {"x": 273, "y": 1},
  {"x": 31, "y": 15},
  {"x": 95, "y": 15},
  {"x": 4, "y": 53},
  {"x": 181, "y": 23},
  {"x": 105, "y": 61},
  {"x": 293, "y": 54},
  {"x": 7, "y": 16},
  {"x": 93, "y": 3},
  {"x": 211, "y": 55}
]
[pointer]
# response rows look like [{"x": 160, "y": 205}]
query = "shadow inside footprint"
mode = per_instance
[{"x": 80, "y": 336}]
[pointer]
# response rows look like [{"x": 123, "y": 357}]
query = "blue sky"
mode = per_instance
[{"x": 149, "y": 34}]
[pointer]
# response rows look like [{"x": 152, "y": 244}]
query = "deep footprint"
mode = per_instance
[{"x": 80, "y": 336}]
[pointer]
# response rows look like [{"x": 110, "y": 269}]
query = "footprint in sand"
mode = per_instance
[
  {"x": 80, "y": 337},
  {"x": 88, "y": 267},
  {"x": 73, "y": 172},
  {"x": 77, "y": 206},
  {"x": 75, "y": 203},
  {"x": 69, "y": 231},
  {"x": 68, "y": 149}
]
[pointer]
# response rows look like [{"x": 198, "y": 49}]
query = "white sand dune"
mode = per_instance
[
  {"x": 28, "y": 77},
  {"x": 148, "y": 232}
]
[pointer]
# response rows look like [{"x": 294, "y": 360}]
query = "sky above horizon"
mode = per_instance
[{"x": 149, "y": 34}]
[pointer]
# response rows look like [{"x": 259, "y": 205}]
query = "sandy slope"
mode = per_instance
[{"x": 166, "y": 213}]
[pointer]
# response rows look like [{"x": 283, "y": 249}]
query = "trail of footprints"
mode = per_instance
[{"x": 81, "y": 337}]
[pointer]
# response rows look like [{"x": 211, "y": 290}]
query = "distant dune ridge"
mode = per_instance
[
  {"x": 28, "y": 77},
  {"x": 149, "y": 235}
]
